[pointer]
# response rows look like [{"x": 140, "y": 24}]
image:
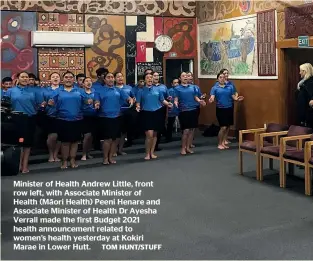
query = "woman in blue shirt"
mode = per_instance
[
  {"x": 150, "y": 100},
  {"x": 50, "y": 121},
  {"x": 109, "y": 100},
  {"x": 224, "y": 95},
  {"x": 68, "y": 102},
  {"x": 164, "y": 91},
  {"x": 128, "y": 113},
  {"x": 188, "y": 99},
  {"x": 25, "y": 100},
  {"x": 228, "y": 82},
  {"x": 172, "y": 112},
  {"x": 89, "y": 114}
]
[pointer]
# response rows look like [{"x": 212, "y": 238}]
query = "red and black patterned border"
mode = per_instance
[{"x": 266, "y": 37}]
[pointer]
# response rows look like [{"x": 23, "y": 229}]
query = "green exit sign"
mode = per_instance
[{"x": 303, "y": 41}]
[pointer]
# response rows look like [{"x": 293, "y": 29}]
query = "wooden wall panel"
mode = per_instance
[
  {"x": 109, "y": 44},
  {"x": 262, "y": 100}
]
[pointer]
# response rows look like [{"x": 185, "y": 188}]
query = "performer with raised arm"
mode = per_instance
[{"x": 224, "y": 95}]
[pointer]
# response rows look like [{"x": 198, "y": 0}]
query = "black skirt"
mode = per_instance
[
  {"x": 26, "y": 128},
  {"x": 188, "y": 119},
  {"x": 50, "y": 125},
  {"x": 225, "y": 116},
  {"x": 129, "y": 120},
  {"x": 89, "y": 124},
  {"x": 110, "y": 128},
  {"x": 152, "y": 120},
  {"x": 69, "y": 131}
]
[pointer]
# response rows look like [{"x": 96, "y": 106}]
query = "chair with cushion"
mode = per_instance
[
  {"x": 252, "y": 146},
  {"x": 297, "y": 157},
  {"x": 308, "y": 158},
  {"x": 273, "y": 152}
]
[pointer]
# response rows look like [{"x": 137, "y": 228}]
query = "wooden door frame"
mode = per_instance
[
  {"x": 282, "y": 72},
  {"x": 178, "y": 58}
]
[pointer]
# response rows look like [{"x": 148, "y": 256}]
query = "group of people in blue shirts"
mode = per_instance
[{"x": 103, "y": 112}]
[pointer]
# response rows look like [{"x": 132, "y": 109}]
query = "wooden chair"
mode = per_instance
[
  {"x": 273, "y": 152},
  {"x": 297, "y": 157},
  {"x": 252, "y": 146},
  {"x": 308, "y": 158}
]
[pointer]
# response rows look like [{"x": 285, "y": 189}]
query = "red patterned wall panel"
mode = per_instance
[
  {"x": 60, "y": 59},
  {"x": 299, "y": 21},
  {"x": 183, "y": 32},
  {"x": 16, "y": 52},
  {"x": 266, "y": 32}
]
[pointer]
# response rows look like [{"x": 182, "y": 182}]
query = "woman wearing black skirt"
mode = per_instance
[
  {"x": 50, "y": 124},
  {"x": 108, "y": 100},
  {"x": 25, "y": 100},
  {"x": 68, "y": 104},
  {"x": 224, "y": 95},
  {"x": 128, "y": 114},
  {"x": 89, "y": 114},
  {"x": 188, "y": 99},
  {"x": 150, "y": 100}
]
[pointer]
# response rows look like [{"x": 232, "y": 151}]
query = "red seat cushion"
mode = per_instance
[
  {"x": 251, "y": 145},
  {"x": 297, "y": 155},
  {"x": 274, "y": 150}
]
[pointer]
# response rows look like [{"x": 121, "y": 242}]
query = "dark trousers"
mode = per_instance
[{"x": 170, "y": 128}]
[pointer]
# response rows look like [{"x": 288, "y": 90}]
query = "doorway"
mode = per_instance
[
  {"x": 174, "y": 67},
  {"x": 294, "y": 57}
]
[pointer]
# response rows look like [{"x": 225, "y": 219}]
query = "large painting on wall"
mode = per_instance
[
  {"x": 16, "y": 51},
  {"x": 230, "y": 44}
]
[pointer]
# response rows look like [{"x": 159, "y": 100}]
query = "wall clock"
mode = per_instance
[{"x": 163, "y": 43}]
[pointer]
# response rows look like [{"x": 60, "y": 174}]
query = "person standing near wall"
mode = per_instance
[
  {"x": 224, "y": 95},
  {"x": 187, "y": 99},
  {"x": 304, "y": 94},
  {"x": 228, "y": 82}
]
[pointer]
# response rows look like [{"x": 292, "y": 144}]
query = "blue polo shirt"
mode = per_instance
[
  {"x": 232, "y": 84},
  {"x": 135, "y": 90},
  {"x": 68, "y": 105},
  {"x": 223, "y": 95},
  {"x": 97, "y": 85},
  {"x": 186, "y": 97},
  {"x": 48, "y": 94},
  {"x": 111, "y": 100},
  {"x": 25, "y": 99},
  {"x": 88, "y": 109},
  {"x": 172, "y": 112},
  {"x": 163, "y": 90},
  {"x": 150, "y": 98},
  {"x": 129, "y": 91}
]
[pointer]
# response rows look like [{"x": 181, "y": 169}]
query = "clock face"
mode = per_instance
[{"x": 164, "y": 43}]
